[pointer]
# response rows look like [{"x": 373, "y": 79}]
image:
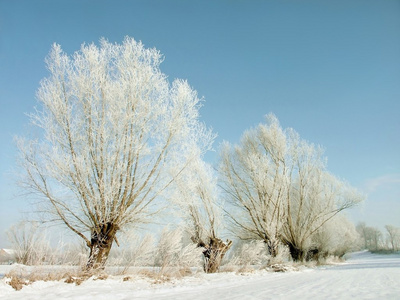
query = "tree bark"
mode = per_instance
[
  {"x": 296, "y": 253},
  {"x": 214, "y": 253},
  {"x": 273, "y": 245},
  {"x": 102, "y": 239}
]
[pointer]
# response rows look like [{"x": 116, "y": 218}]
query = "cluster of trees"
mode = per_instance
[
  {"x": 372, "y": 238},
  {"x": 278, "y": 190},
  {"x": 119, "y": 143}
]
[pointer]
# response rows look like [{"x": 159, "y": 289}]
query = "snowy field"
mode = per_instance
[{"x": 362, "y": 276}]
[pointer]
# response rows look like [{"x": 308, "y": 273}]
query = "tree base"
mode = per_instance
[{"x": 214, "y": 253}]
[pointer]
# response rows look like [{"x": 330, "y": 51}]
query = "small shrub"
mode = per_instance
[
  {"x": 171, "y": 256},
  {"x": 247, "y": 256},
  {"x": 16, "y": 282},
  {"x": 74, "y": 279}
]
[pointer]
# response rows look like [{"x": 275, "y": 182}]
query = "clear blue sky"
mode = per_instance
[{"x": 329, "y": 69}]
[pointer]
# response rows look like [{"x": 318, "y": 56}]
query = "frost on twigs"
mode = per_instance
[
  {"x": 115, "y": 136},
  {"x": 279, "y": 190},
  {"x": 172, "y": 257},
  {"x": 249, "y": 255},
  {"x": 30, "y": 244},
  {"x": 134, "y": 252},
  {"x": 199, "y": 203}
]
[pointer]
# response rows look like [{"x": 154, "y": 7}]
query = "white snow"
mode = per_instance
[{"x": 363, "y": 276}]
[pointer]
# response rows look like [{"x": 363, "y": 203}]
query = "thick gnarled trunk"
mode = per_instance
[
  {"x": 101, "y": 242},
  {"x": 296, "y": 253},
  {"x": 213, "y": 254}
]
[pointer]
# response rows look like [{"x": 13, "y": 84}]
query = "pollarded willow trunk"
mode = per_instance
[
  {"x": 305, "y": 254},
  {"x": 296, "y": 253},
  {"x": 101, "y": 241},
  {"x": 273, "y": 247},
  {"x": 214, "y": 253}
]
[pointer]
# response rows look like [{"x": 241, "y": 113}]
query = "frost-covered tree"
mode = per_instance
[
  {"x": 30, "y": 243},
  {"x": 336, "y": 237},
  {"x": 197, "y": 197},
  {"x": 371, "y": 237},
  {"x": 376, "y": 239},
  {"x": 393, "y": 236},
  {"x": 363, "y": 233},
  {"x": 113, "y": 127},
  {"x": 255, "y": 176},
  {"x": 279, "y": 189},
  {"x": 315, "y": 197}
]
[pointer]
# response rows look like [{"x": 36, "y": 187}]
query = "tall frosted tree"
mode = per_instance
[
  {"x": 198, "y": 199},
  {"x": 280, "y": 189},
  {"x": 255, "y": 175},
  {"x": 316, "y": 197},
  {"x": 393, "y": 236},
  {"x": 115, "y": 135}
]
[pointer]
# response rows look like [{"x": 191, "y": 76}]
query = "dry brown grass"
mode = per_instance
[
  {"x": 157, "y": 276},
  {"x": 20, "y": 277},
  {"x": 228, "y": 269},
  {"x": 245, "y": 269},
  {"x": 162, "y": 275},
  {"x": 16, "y": 282},
  {"x": 75, "y": 279}
]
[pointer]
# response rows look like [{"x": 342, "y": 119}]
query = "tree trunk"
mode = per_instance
[
  {"x": 296, "y": 253},
  {"x": 273, "y": 247},
  {"x": 314, "y": 254},
  {"x": 214, "y": 253},
  {"x": 101, "y": 242}
]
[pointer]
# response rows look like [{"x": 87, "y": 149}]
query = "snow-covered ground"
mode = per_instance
[{"x": 362, "y": 276}]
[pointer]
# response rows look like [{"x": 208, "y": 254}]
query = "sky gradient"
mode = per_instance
[{"x": 328, "y": 69}]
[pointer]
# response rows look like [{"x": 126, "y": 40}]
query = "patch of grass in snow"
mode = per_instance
[{"x": 21, "y": 276}]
